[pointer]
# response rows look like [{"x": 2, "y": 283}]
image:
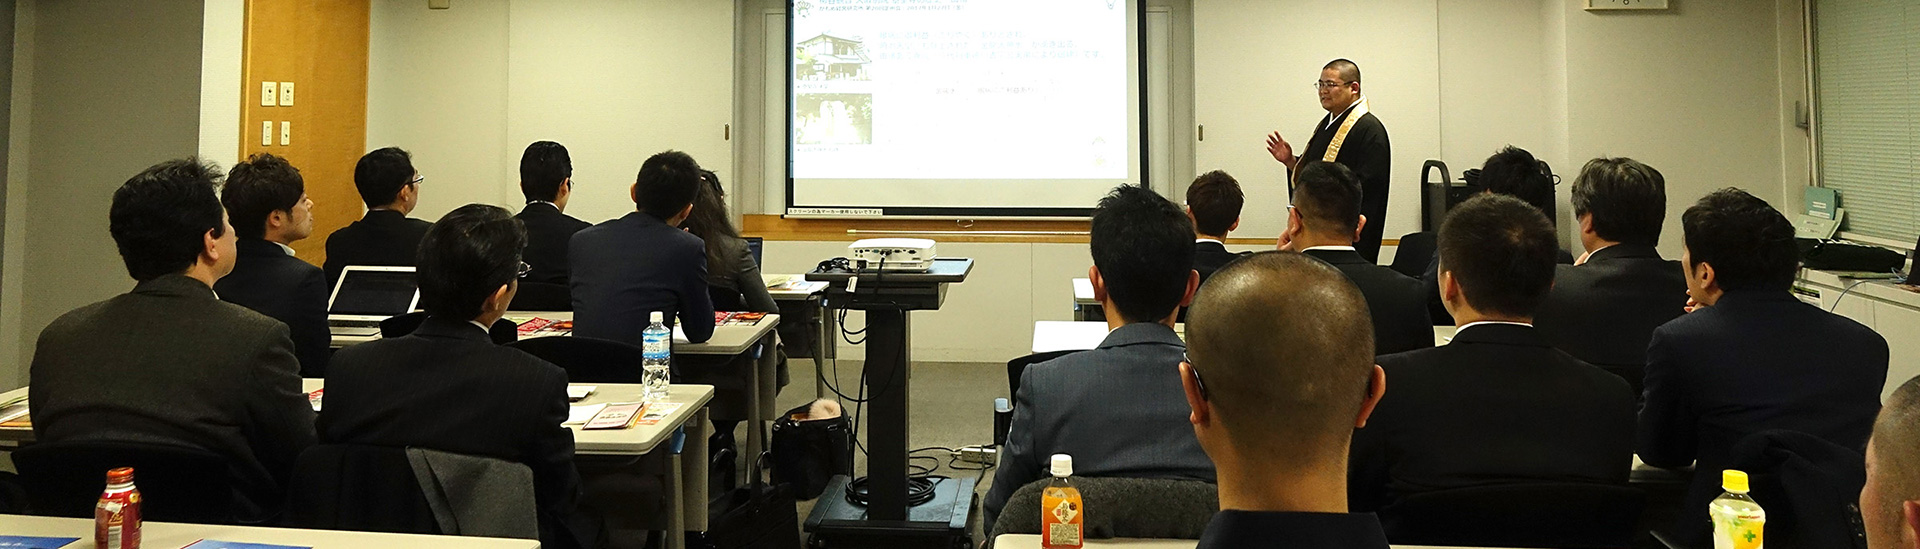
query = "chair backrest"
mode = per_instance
[
  {"x": 1121, "y": 507},
  {"x": 353, "y": 487},
  {"x": 542, "y": 296},
  {"x": 1018, "y": 367},
  {"x": 503, "y": 331},
  {"x": 1568, "y": 515},
  {"x": 589, "y": 360},
  {"x": 1415, "y": 252},
  {"x": 177, "y": 484}
]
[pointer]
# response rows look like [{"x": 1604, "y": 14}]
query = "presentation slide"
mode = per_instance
[{"x": 967, "y": 104}]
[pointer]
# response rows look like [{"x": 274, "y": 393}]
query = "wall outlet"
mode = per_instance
[
  {"x": 269, "y": 93},
  {"x": 286, "y": 133},
  {"x": 286, "y": 94},
  {"x": 978, "y": 454},
  {"x": 266, "y": 133}
]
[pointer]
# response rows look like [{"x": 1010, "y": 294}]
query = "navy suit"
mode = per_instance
[
  {"x": 1118, "y": 409},
  {"x": 1397, "y": 302},
  {"x": 1210, "y": 256},
  {"x": 548, "y": 234},
  {"x": 1605, "y": 311},
  {"x": 273, "y": 282},
  {"x": 382, "y": 238},
  {"x": 629, "y": 267},
  {"x": 1756, "y": 360}
]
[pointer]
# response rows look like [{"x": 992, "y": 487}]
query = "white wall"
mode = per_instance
[{"x": 466, "y": 89}]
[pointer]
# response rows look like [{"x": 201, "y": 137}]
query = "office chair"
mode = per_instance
[
  {"x": 177, "y": 484},
  {"x": 411, "y": 491},
  {"x": 1533, "y": 514},
  {"x": 1127, "y": 508},
  {"x": 1414, "y": 253}
]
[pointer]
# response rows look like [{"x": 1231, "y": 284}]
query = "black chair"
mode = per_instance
[
  {"x": 177, "y": 484},
  {"x": 361, "y": 488},
  {"x": 588, "y": 360},
  {"x": 1415, "y": 252},
  {"x": 541, "y": 296},
  {"x": 1123, "y": 508},
  {"x": 1564, "y": 515},
  {"x": 503, "y": 331}
]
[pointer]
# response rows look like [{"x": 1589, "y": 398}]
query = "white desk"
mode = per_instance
[
  {"x": 1065, "y": 335},
  {"x": 168, "y": 535},
  {"x": 1029, "y": 541}
]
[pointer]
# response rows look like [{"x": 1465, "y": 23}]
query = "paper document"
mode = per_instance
[
  {"x": 580, "y": 392},
  {"x": 580, "y": 414}
]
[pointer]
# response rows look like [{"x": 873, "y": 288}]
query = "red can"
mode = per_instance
[{"x": 116, "y": 519}]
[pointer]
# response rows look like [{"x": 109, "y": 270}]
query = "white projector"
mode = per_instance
[{"x": 892, "y": 254}]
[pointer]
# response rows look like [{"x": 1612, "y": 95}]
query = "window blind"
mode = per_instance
[{"x": 1866, "y": 74}]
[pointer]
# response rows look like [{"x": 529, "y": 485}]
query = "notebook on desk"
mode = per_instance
[{"x": 366, "y": 295}]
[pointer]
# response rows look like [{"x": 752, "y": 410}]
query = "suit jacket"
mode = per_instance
[
  {"x": 629, "y": 267},
  {"x": 1496, "y": 405},
  {"x": 1397, "y": 302},
  {"x": 1368, "y": 153},
  {"x": 1755, "y": 361},
  {"x": 1072, "y": 405},
  {"x": 448, "y": 387},
  {"x": 273, "y": 282},
  {"x": 169, "y": 364},
  {"x": 548, "y": 233},
  {"x": 383, "y": 237},
  {"x": 1605, "y": 311},
  {"x": 1210, "y": 256},
  {"x": 738, "y": 279}
]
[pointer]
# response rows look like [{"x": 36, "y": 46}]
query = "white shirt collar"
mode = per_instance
[
  {"x": 284, "y": 247},
  {"x": 482, "y": 327},
  {"x": 1331, "y": 248},
  {"x": 532, "y": 202},
  {"x": 1205, "y": 239},
  {"x": 1489, "y": 322},
  {"x": 1333, "y": 117}
]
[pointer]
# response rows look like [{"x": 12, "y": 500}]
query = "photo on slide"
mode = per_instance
[
  {"x": 833, "y": 119},
  {"x": 829, "y": 57}
]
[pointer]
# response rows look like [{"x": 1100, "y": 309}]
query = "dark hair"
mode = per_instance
[
  {"x": 256, "y": 188},
  {"x": 1143, "y": 246},
  {"x": 543, "y": 168},
  {"x": 1349, "y": 71},
  {"x": 711, "y": 223},
  {"x": 1502, "y": 252},
  {"x": 1215, "y": 199},
  {"x": 1328, "y": 195},
  {"x": 667, "y": 183},
  {"x": 160, "y": 217},
  {"x": 466, "y": 256},
  {"x": 1515, "y": 172},
  {"x": 1628, "y": 200},
  {"x": 381, "y": 174},
  {"x": 1749, "y": 244}
]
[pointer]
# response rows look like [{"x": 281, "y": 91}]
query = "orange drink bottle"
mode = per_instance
[{"x": 1062, "y": 519}]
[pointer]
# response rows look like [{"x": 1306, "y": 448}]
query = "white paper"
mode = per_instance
[
  {"x": 577, "y": 392},
  {"x": 580, "y": 415}
]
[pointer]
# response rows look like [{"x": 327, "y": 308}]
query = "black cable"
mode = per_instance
[{"x": 919, "y": 490}]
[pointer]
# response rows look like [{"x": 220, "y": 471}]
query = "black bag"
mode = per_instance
[
  {"x": 808, "y": 453},
  {"x": 1837, "y": 256},
  {"x": 755, "y": 516}
]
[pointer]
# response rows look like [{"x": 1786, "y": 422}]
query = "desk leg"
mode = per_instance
[
  {"x": 822, "y": 338},
  {"x": 693, "y": 502},
  {"x": 676, "y": 493},
  {"x": 756, "y": 376},
  {"x": 769, "y": 387}
]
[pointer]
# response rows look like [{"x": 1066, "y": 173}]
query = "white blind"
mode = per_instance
[{"x": 1866, "y": 65}]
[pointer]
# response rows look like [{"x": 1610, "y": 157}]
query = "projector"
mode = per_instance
[{"x": 892, "y": 254}]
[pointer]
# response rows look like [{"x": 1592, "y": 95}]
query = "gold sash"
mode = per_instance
[{"x": 1340, "y": 137}]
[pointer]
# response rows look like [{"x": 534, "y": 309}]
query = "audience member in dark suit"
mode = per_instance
[
  {"x": 1324, "y": 220},
  {"x": 385, "y": 236},
  {"x": 1751, "y": 357},
  {"x": 1604, "y": 310},
  {"x": 447, "y": 386},
  {"x": 1498, "y": 404},
  {"x": 1142, "y": 276},
  {"x": 546, "y": 179},
  {"x": 267, "y": 200},
  {"x": 628, "y": 268},
  {"x": 1890, "y": 501},
  {"x": 1514, "y": 172},
  {"x": 167, "y": 363},
  {"x": 1213, "y": 203},
  {"x": 1279, "y": 373}
]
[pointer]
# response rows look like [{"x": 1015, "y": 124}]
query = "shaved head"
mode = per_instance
[
  {"x": 1893, "y": 467},
  {"x": 1348, "y": 71},
  {"x": 1283, "y": 345}
]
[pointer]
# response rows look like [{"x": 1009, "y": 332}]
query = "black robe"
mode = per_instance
[{"x": 1368, "y": 154}]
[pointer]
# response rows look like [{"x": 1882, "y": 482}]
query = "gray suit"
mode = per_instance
[
  {"x": 1118, "y": 409},
  {"x": 169, "y": 364}
]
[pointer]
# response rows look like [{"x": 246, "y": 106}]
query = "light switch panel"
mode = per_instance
[
  {"x": 267, "y": 94},
  {"x": 266, "y": 133},
  {"x": 286, "y": 133},
  {"x": 286, "y": 94}
]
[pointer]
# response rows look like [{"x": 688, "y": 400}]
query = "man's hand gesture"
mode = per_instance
[{"x": 1281, "y": 150}]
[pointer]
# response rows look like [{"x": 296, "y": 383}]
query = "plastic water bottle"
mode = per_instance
[
  {"x": 658, "y": 346},
  {"x": 1062, "y": 518},
  {"x": 1738, "y": 522}
]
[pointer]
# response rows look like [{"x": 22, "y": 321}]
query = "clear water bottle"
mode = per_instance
[
  {"x": 657, "y": 342},
  {"x": 1738, "y": 522}
]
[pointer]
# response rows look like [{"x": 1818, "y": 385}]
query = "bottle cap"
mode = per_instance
[
  {"x": 656, "y": 317},
  {"x": 1001, "y": 405},
  {"x": 1062, "y": 465},
  {"x": 121, "y": 475},
  {"x": 1733, "y": 481}
]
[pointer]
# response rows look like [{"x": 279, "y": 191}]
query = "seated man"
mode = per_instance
[
  {"x": 1213, "y": 203},
  {"x": 1279, "y": 374},
  {"x": 546, "y": 179},
  {"x": 1323, "y": 223},
  {"x": 385, "y": 236},
  {"x": 1753, "y": 357},
  {"x": 267, "y": 200},
  {"x": 1498, "y": 404},
  {"x": 167, "y": 363},
  {"x": 1890, "y": 501},
  {"x": 1604, "y": 310},
  {"x": 1116, "y": 408},
  {"x": 627, "y": 268},
  {"x": 1511, "y": 171},
  {"x": 447, "y": 386}
]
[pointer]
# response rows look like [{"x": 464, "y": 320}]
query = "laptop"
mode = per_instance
[
  {"x": 754, "y": 245},
  {"x": 366, "y": 295}
]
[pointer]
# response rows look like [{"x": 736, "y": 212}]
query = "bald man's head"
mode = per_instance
[
  {"x": 1893, "y": 468},
  {"x": 1284, "y": 347},
  {"x": 1349, "y": 72}
]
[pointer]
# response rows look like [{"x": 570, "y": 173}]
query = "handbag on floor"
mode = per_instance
[
  {"x": 807, "y": 453},
  {"x": 755, "y": 516}
]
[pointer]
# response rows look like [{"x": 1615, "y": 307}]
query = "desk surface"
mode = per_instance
[
  {"x": 169, "y": 535},
  {"x": 1029, "y": 541},
  {"x": 637, "y": 440},
  {"x": 801, "y": 289},
  {"x": 1066, "y": 335},
  {"x": 1083, "y": 292},
  {"x": 726, "y": 340}
]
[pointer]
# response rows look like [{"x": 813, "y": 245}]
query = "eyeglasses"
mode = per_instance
[
  {"x": 418, "y": 179},
  {"x": 524, "y": 269},
  {"x": 1197, "y": 382},
  {"x": 1328, "y": 84}
]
